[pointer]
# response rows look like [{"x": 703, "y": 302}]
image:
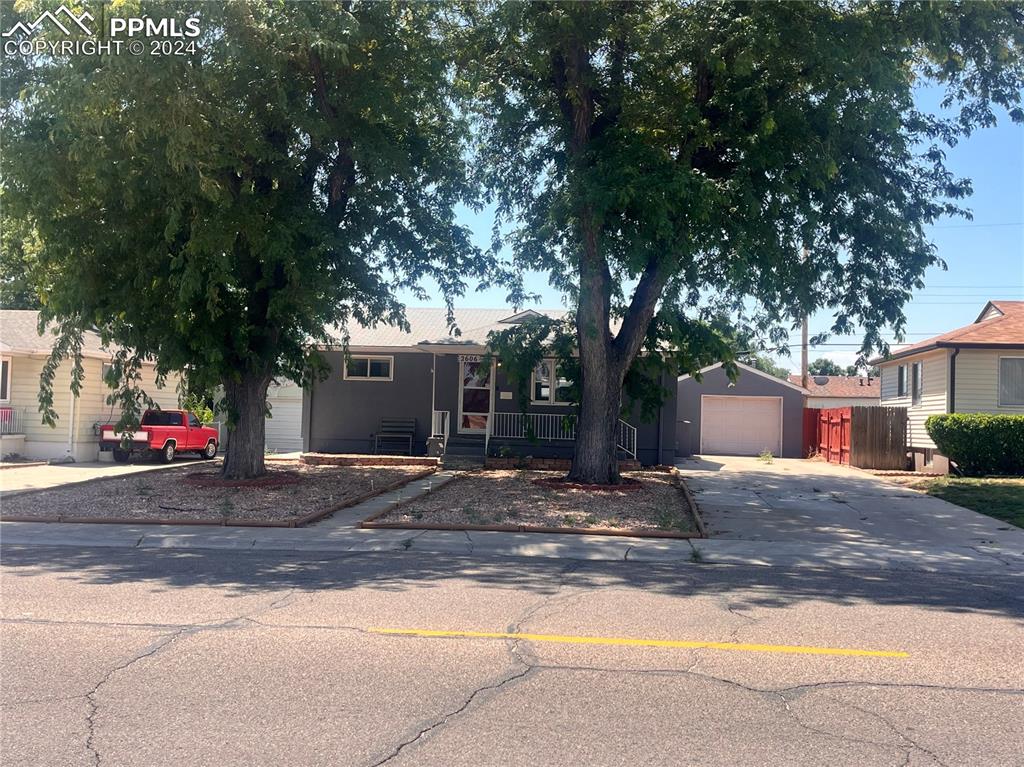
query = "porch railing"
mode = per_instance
[
  {"x": 627, "y": 439},
  {"x": 551, "y": 426},
  {"x": 440, "y": 425},
  {"x": 10, "y": 420}
]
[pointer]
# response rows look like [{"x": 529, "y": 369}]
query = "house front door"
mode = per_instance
[{"x": 475, "y": 389}]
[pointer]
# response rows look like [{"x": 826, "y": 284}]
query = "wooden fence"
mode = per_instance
[{"x": 866, "y": 437}]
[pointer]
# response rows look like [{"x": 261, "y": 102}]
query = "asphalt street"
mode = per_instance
[{"x": 172, "y": 657}]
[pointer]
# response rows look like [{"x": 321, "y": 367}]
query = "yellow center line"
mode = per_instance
[{"x": 628, "y": 642}]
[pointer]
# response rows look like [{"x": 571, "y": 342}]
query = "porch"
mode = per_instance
[{"x": 516, "y": 429}]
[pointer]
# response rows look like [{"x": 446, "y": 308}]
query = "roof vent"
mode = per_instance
[{"x": 821, "y": 380}]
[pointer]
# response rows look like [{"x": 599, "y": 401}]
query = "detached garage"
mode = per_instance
[{"x": 758, "y": 412}]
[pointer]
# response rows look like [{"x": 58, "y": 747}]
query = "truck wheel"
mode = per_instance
[
  {"x": 121, "y": 456},
  {"x": 210, "y": 451},
  {"x": 167, "y": 454}
]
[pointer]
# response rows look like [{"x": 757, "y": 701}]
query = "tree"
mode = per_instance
[
  {"x": 218, "y": 211},
  {"x": 650, "y": 155},
  {"x": 19, "y": 252},
  {"x": 766, "y": 365},
  {"x": 826, "y": 367}
]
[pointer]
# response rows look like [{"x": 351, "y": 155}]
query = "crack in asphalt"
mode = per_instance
[
  {"x": 90, "y": 697},
  {"x": 454, "y": 713},
  {"x": 914, "y": 745},
  {"x": 157, "y": 646}
]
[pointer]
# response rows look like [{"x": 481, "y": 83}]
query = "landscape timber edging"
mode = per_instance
[
  {"x": 546, "y": 464},
  {"x": 691, "y": 502},
  {"x": 359, "y": 459}
]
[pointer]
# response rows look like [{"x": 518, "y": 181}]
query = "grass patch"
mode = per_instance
[{"x": 1002, "y": 499}]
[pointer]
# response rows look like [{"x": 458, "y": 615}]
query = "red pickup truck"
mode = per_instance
[{"x": 163, "y": 432}]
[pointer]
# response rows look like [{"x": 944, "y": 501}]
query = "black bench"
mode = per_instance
[{"x": 397, "y": 430}]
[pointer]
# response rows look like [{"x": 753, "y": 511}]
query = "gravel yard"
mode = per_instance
[
  {"x": 512, "y": 498},
  {"x": 172, "y": 495}
]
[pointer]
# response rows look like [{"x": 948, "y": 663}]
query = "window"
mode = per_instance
[
  {"x": 542, "y": 392},
  {"x": 901, "y": 381},
  {"x": 105, "y": 370},
  {"x": 161, "y": 418},
  {"x": 364, "y": 368},
  {"x": 193, "y": 422},
  {"x": 1011, "y": 381},
  {"x": 5, "y": 380},
  {"x": 917, "y": 382}
]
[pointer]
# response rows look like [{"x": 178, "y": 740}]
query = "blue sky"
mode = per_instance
[{"x": 984, "y": 257}]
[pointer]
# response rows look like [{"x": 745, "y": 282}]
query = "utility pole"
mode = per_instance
[
  {"x": 803, "y": 338},
  {"x": 803, "y": 353}
]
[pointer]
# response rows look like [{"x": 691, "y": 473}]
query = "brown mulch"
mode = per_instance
[
  {"x": 168, "y": 495},
  {"x": 513, "y": 497},
  {"x": 273, "y": 478}
]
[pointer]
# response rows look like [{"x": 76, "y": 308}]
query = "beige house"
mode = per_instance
[
  {"x": 23, "y": 352},
  {"x": 978, "y": 368}
]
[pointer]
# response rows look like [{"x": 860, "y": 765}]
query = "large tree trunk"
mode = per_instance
[
  {"x": 247, "y": 402},
  {"x": 595, "y": 460}
]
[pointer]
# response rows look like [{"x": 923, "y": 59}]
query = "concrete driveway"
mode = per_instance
[
  {"x": 23, "y": 478},
  {"x": 793, "y": 500}
]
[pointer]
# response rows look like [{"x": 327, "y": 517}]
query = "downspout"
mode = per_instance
[
  {"x": 307, "y": 438},
  {"x": 71, "y": 425},
  {"x": 951, "y": 408},
  {"x": 661, "y": 412}
]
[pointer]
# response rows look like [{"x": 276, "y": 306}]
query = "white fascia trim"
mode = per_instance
[{"x": 755, "y": 371}]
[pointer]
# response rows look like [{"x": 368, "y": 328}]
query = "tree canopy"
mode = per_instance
[
  {"x": 219, "y": 211},
  {"x": 826, "y": 367},
  {"x": 663, "y": 160}
]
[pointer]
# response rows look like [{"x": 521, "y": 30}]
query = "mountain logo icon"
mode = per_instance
[{"x": 62, "y": 18}]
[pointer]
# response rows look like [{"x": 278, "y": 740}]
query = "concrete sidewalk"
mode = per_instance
[
  {"x": 342, "y": 539},
  {"x": 37, "y": 477}
]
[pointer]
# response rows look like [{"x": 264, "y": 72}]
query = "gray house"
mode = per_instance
[
  {"x": 757, "y": 412},
  {"x": 447, "y": 385}
]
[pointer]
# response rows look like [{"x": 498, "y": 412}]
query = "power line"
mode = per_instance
[{"x": 976, "y": 226}]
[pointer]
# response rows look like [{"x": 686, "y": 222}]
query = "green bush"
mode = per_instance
[{"x": 980, "y": 443}]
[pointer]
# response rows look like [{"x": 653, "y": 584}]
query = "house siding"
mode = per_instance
[
  {"x": 977, "y": 382},
  {"x": 42, "y": 441},
  {"x": 341, "y": 416},
  {"x": 934, "y": 395},
  {"x": 716, "y": 382}
]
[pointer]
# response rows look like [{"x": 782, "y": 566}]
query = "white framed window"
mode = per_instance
[
  {"x": 901, "y": 381},
  {"x": 1011, "y": 381},
  {"x": 548, "y": 386},
  {"x": 916, "y": 382},
  {"x": 5, "y": 379},
  {"x": 363, "y": 367}
]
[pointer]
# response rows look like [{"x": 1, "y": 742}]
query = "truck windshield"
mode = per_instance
[{"x": 161, "y": 418}]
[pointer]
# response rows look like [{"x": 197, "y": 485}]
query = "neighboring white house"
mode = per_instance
[
  {"x": 840, "y": 391},
  {"x": 284, "y": 426},
  {"x": 978, "y": 368},
  {"x": 23, "y": 353}
]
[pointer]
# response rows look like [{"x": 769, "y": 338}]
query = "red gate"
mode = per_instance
[{"x": 834, "y": 426}]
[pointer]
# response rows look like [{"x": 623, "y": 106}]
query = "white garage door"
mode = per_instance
[
  {"x": 284, "y": 427},
  {"x": 740, "y": 425}
]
